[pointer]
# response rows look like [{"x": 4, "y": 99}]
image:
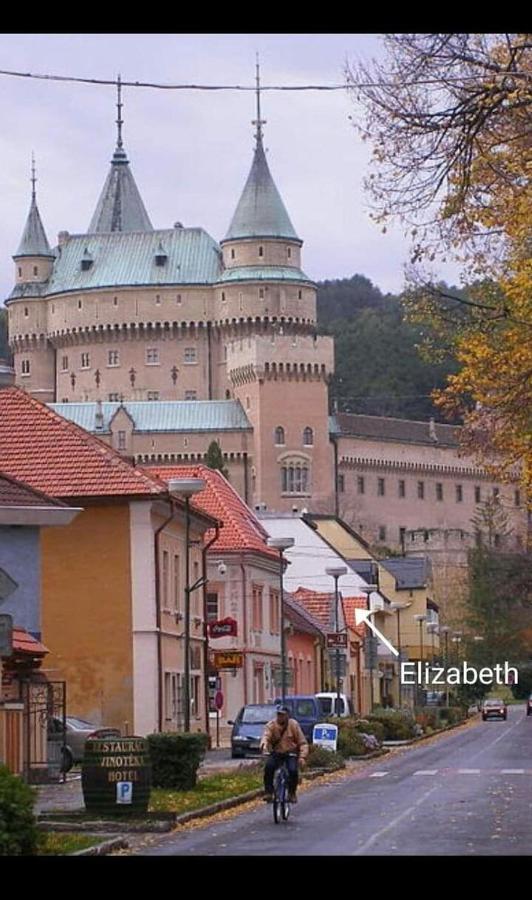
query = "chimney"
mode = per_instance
[{"x": 7, "y": 374}]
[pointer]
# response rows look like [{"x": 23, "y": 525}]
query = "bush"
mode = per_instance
[
  {"x": 355, "y": 736},
  {"x": 398, "y": 725},
  {"x": 321, "y": 758},
  {"x": 175, "y": 759},
  {"x": 364, "y": 726},
  {"x": 18, "y": 829}
]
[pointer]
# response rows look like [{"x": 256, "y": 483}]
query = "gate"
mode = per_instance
[{"x": 44, "y": 733}]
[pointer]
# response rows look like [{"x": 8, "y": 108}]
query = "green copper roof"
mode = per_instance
[
  {"x": 120, "y": 207},
  {"x": 260, "y": 211},
  {"x": 264, "y": 273},
  {"x": 160, "y": 415},
  {"x": 129, "y": 259},
  {"x": 34, "y": 241}
]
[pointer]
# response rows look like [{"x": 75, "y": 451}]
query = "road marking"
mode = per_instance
[
  {"x": 378, "y": 774},
  {"x": 375, "y": 837},
  {"x": 468, "y": 771},
  {"x": 512, "y": 771},
  {"x": 426, "y": 772}
]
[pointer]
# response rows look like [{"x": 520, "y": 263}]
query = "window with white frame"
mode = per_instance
[
  {"x": 295, "y": 477},
  {"x": 195, "y": 696},
  {"x": 85, "y": 360},
  {"x": 113, "y": 357},
  {"x": 190, "y": 355},
  {"x": 25, "y": 367},
  {"x": 173, "y": 682},
  {"x": 275, "y": 612},
  {"x": 256, "y": 609},
  {"x": 213, "y": 609},
  {"x": 152, "y": 356}
]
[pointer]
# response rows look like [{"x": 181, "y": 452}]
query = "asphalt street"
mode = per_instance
[{"x": 466, "y": 793}]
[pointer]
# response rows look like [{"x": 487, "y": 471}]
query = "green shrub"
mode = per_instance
[
  {"x": 451, "y": 715},
  {"x": 175, "y": 759},
  {"x": 364, "y": 726},
  {"x": 321, "y": 758},
  {"x": 398, "y": 725},
  {"x": 18, "y": 830},
  {"x": 350, "y": 730}
]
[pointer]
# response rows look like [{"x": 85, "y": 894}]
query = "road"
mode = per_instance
[{"x": 465, "y": 793}]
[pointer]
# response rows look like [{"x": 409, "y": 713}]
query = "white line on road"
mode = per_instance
[
  {"x": 512, "y": 771},
  {"x": 426, "y": 772},
  {"x": 468, "y": 771},
  {"x": 378, "y": 774},
  {"x": 375, "y": 837}
]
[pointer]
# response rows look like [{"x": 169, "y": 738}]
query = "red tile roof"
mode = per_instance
[
  {"x": 321, "y": 607},
  {"x": 59, "y": 458},
  {"x": 16, "y": 493},
  {"x": 241, "y": 530},
  {"x": 24, "y": 642},
  {"x": 350, "y": 604},
  {"x": 301, "y": 618}
]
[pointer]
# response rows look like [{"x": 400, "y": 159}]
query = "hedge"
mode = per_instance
[
  {"x": 18, "y": 829},
  {"x": 175, "y": 759}
]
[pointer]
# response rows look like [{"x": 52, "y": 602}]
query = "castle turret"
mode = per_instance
[{"x": 34, "y": 258}]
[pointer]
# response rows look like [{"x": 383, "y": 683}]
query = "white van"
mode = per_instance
[{"x": 329, "y": 704}]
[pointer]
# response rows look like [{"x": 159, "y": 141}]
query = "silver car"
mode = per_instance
[{"x": 76, "y": 733}]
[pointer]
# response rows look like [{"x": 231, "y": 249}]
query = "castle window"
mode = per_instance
[
  {"x": 439, "y": 491},
  {"x": 459, "y": 493},
  {"x": 158, "y": 299},
  {"x": 228, "y": 395},
  {"x": 341, "y": 484},
  {"x": 477, "y": 494},
  {"x": 261, "y": 251},
  {"x": 402, "y": 536},
  {"x": 380, "y": 487},
  {"x": 261, "y": 293},
  {"x": 289, "y": 252},
  {"x": 232, "y": 252},
  {"x": 64, "y": 363},
  {"x": 402, "y": 490},
  {"x": 115, "y": 301},
  {"x": 190, "y": 355},
  {"x": 382, "y": 532},
  {"x": 25, "y": 367},
  {"x": 79, "y": 304},
  {"x": 223, "y": 296},
  {"x": 497, "y": 540},
  {"x": 26, "y": 311},
  {"x": 114, "y": 398},
  {"x": 295, "y": 477},
  {"x": 113, "y": 357},
  {"x": 152, "y": 356},
  {"x": 299, "y": 295},
  {"x": 191, "y": 395},
  {"x": 421, "y": 490},
  {"x": 279, "y": 436},
  {"x": 360, "y": 484},
  {"x": 121, "y": 440},
  {"x": 20, "y": 271},
  {"x": 85, "y": 361},
  {"x": 178, "y": 298},
  {"x": 308, "y": 437},
  {"x": 35, "y": 270},
  {"x": 152, "y": 395}
]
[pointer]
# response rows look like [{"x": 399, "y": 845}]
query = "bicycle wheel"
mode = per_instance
[
  {"x": 276, "y": 811},
  {"x": 285, "y": 810}
]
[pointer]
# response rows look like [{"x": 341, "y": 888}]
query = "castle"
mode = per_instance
[{"x": 162, "y": 340}]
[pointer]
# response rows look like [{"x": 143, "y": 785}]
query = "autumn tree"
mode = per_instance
[{"x": 449, "y": 117}]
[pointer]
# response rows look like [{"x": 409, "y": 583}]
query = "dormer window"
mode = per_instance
[
  {"x": 161, "y": 257},
  {"x": 86, "y": 261}
]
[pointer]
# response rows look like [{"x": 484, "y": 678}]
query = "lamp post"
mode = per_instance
[
  {"x": 369, "y": 589},
  {"x": 444, "y": 629},
  {"x": 282, "y": 544},
  {"x": 187, "y": 487},
  {"x": 336, "y": 572},
  {"x": 420, "y": 618},
  {"x": 397, "y": 607},
  {"x": 432, "y": 629}
]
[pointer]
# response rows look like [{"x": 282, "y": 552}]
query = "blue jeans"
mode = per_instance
[{"x": 272, "y": 763}]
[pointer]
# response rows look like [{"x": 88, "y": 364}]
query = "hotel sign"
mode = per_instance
[{"x": 228, "y": 659}]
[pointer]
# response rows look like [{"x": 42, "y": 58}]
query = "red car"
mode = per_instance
[{"x": 494, "y": 709}]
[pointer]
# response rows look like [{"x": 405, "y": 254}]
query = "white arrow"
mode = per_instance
[{"x": 362, "y": 615}]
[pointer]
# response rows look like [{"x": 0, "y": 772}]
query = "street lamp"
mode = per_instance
[
  {"x": 187, "y": 487},
  {"x": 397, "y": 607},
  {"x": 420, "y": 618},
  {"x": 433, "y": 629},
  {"x": 445, "y": 629},
  {"x": 281, "y": 544},
  {"x": 369, "y": 589},
  {"x": 336, "y": 572}
]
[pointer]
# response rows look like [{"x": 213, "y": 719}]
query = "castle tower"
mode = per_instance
[{"x": 33, "y": 354}]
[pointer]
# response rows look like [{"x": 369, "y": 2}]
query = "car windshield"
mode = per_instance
[
  {"x": 304, "y": 708},
  {"x": 325, "y": 705},
  {"x": 494, "y": 703},
  {"x": 258, "y": 715},
  {"x": 80, "y": 724}
]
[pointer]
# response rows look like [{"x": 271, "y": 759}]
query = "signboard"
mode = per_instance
[
  {"x": 337, "y": 639},
  {"x": 325, "y": 736},
  {"x": 6, "y": 635},
  {"x": 277, "y": 677},
  {"x": 7, "y": 585},
  {"x": 228, "y": 659},
  {"x": 124, "y": 792},
  {"x": 338, "y": 666},
  {"x": 223, "y": 628},
  {"x": 219, "y": 700}
]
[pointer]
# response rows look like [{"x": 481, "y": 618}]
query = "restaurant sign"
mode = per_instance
[{"x": 228, "y": 659}]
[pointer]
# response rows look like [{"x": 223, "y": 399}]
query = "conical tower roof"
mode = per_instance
[
  {"x": 260, "y": 211},
  {"x": 34, "y": 241},
  {"x": 120, "y": 206}
]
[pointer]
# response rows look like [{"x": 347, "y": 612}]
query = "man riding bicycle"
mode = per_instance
[{"x": 281, "y": 737}]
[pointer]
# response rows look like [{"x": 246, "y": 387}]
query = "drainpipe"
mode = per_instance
[
  {"x": 206, "y": 633},
  {"x": 246, "y": 489},
  {"x": 336, "y": 496},
  {"x": 244, "y": 628},
  {"x": 158, "y": 617},
  {"x": 209, "y": 359}
]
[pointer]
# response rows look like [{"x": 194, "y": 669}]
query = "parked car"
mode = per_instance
[
  {"x": 494, "y": 709},
  {"x": 306, "y": 709},
  {"x": 248, "y": 727},
  {"x": 529, "y": 706},
  {"x": 328, "y": 701},
  {"x": 77, "y": 732}
]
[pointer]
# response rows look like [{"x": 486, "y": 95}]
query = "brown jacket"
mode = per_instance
[{"x": 291, "y": 740}]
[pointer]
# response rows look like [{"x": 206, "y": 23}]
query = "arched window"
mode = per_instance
[
  {"x": 279, "y": 435},
  {"x": 295, "y": 477},
  {"x": 308, "y": 437}
]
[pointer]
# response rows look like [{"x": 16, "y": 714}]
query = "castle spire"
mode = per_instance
[
  {"x": 34, "y": 241},
  {"x": 258, "y": 121},
  {"x": 120, "y": 206}
]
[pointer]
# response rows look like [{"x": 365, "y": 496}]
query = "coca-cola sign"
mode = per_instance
[{"x": 223, "y": 628}]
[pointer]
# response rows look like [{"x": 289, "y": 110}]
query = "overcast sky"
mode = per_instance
[{"x": 191, "y": 151}]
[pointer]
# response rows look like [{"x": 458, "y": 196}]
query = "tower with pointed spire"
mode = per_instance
[{"x": 34, "y": 257}]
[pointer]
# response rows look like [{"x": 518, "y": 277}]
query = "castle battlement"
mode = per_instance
[{"x": 281, "y": 355}]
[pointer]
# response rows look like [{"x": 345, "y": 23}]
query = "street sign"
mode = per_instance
[
  {"x": 7, "y": 585},
  {"x": 228, "y": 659},
  {"x": 325, "y": 736},
  {"x": 219, "y": 700},
  {"x": 277, "y": 677},
  {"x": 223, "y": 628},
  {"x": 6, "y": 635},
  {"x": 337, "y": 639},
  {"x": 338, "y": 664}
]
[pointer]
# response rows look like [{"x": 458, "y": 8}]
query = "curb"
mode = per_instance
[
  {"x": 103, "y": 848},
  {"x": 424, "y": 737},
  {"x": 107, "y": 827}
]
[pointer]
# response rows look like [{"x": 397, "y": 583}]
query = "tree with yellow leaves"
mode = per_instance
[{"x": 449, "y": 117}]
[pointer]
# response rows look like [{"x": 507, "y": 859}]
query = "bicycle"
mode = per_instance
[{"x": 281, "y": 794}]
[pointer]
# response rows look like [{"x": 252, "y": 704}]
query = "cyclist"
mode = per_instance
[{"x": 282, "y": 736}]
